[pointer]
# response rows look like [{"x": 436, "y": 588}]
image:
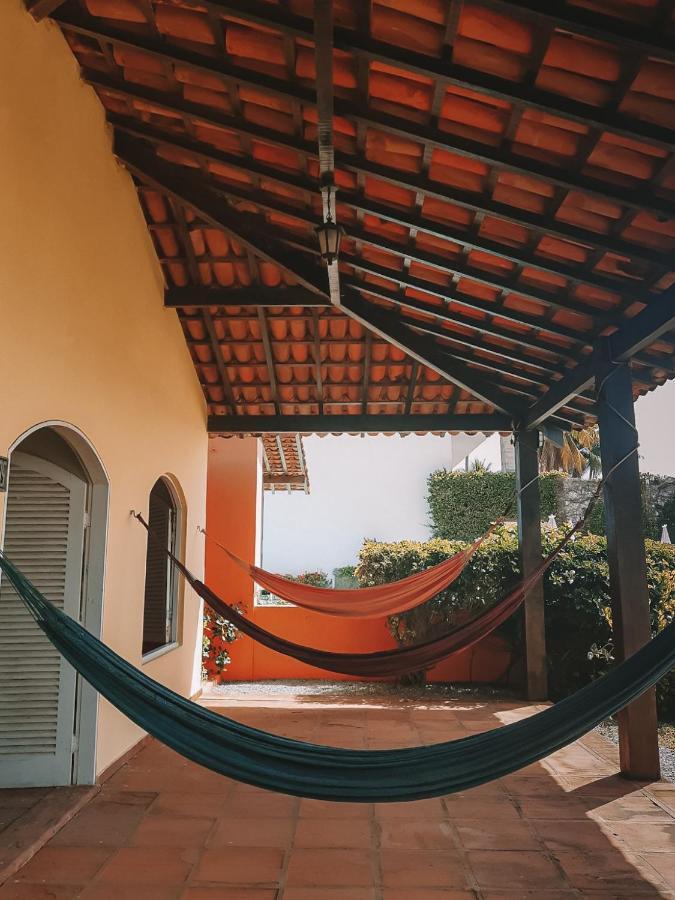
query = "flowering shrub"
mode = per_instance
[
  {"x": 576, "y": 594},
  {"x": 218, "y": 634}
]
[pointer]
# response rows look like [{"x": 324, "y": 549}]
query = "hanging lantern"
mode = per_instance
[{"x": 329, "y": 235}]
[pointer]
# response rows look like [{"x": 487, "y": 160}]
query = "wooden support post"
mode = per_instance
[
  {"x": 638, "y": 737},
  {"x": 529, "y": 539}
]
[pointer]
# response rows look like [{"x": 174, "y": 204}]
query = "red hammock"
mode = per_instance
[
  {"x": 401, "y": 660},
  {"x": 363, "y": 603}
]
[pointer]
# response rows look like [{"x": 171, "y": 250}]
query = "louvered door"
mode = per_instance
[{"x": 44, "y": 536}]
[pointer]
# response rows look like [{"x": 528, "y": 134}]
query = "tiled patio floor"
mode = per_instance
[{"x": 163, "y": 829}]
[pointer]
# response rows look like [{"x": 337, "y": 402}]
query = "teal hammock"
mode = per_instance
[{"x": 329, "y": 773}]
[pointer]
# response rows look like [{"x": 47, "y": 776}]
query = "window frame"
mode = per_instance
[{"x": 174, "y": 591}]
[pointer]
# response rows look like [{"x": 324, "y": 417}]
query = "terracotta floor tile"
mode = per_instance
[
  {"x": 496, "y": 834},
  {"x": 633, "y": 809},
  {"x": 101, "y": 822},
  {"x": 20, "y": 890},
  {"x": 536, "y": 895},
  {"x": 621, "y": 873},
  {"x": 178, "y": 803},
  {"x": 664, "y": 863},
  {"x": 425, "y": 894},
  {"x": 143, "y": 866},
  {"x": 340, "y": 893},
  {"x": 423, "y": 868},
  {"x": 419, "y": 809},
  {"x": 228, "y": 893},
  {"x": 104, "y": 891},
  {"x": 171, "y": 831},
  {"x": 516, "y": 868},
  {"x": 263, "y": 806},
  {"x": 568, "y": 835},
  {"x": 415, "y": 834},
  {"x": 638, "y": 836},
  {"x": 336, "y": 833},
  {"x": 326, "y": 809},
  {"x": 240, "y": 865},
  {"x": 466, "y": 807},
  {"x": 330, "y": 868},
  {"x": 127, "y": 798},
  {"x": 251, "y": 833},
  {"x": 555, "y": 808},
  {"x": 64, "y": 865},
  {"x": 25, "y": 797}
]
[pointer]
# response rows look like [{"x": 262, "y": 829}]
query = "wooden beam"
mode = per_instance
[
  {"x": 356, "y": 424},
  {"x": 632, "y": 337},
  {"x": 426, "y": 351},
  {"x": 269, "y": 360},
  {"x": 284, "y": 480},
  {"x": 529, "y": 542},
  {"x": 200, "y": 297},
  {"x": 41, "y": 9},
  {"x": 365, "y": 380},
  {"x": 430, "y": 135},
  {"x": 638, "y": 738},
  {"x": 187, "y": 189},
  {"x": 323, "y": 63},
  {"x": 361, "y": 166}
]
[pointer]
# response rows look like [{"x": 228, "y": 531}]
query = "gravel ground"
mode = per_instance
[
  {"x": 609, "y": 729},
  {"x": 356, "y": 690}
]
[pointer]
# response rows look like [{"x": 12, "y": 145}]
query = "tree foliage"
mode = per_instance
[{"x": 580, "y": 453}]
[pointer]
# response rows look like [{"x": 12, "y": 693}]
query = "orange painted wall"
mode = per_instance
[{"x": 232, "y": 507}]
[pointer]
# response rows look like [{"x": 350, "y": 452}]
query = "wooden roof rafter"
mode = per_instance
[
  {"x": 191, "y": 192},
  {"x": 358, "y": 164},
  {"x": 505, "y": 161},
  {"x": 445, "y": 73},
  {"x": 401, "y": 217}
]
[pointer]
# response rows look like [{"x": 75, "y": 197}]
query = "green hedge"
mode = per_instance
[
  {"x": 578, "y": 617},
  {"x": 462, "y": 504}
]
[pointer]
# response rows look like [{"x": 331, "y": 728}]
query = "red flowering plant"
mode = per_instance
[{"x": 218, "y": 634}]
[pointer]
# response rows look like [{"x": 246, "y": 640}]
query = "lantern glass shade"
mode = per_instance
[{"x": 329, "y": 235}]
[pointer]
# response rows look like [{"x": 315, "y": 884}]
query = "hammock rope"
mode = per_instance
[
  {"x": 328, "y": 773},
  {"x": 385, "y": 663}
]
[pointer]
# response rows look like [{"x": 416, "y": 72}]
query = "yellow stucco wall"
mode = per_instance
[{"x": 84, "y": 338}]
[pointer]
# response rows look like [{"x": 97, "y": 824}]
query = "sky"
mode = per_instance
[{"x": 376, "y": 486}]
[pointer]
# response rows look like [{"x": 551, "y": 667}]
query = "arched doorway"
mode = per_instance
[{"x": 54, "y": 529}]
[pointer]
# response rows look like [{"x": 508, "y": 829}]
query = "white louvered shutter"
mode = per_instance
[{"x": 44, "y": 537}]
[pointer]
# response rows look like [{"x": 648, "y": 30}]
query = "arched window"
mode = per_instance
[{"x": 160, "y": 612}]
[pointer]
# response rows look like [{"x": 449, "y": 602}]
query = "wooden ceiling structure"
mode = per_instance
[{"x": 504, "y": 173}]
